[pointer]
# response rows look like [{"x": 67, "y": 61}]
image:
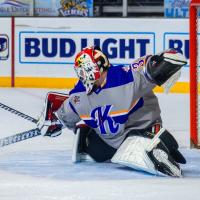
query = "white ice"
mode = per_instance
[{"x": 41, "y": 168}]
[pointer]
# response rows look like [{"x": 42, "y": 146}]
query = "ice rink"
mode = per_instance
[{"x": 41, "y": 168}]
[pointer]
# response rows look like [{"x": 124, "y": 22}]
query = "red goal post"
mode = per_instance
[{"x": 194, "y": 75}]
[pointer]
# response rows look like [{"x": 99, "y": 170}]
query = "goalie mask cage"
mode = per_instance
[{"x": 194, "y": 75}]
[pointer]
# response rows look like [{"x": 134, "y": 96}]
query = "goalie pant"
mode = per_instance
[{"x": 90, "y": 143}]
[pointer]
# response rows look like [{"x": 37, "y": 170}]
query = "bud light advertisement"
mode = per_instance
[
  {"x": 64, "y": 8},
  {"x": 16, "y": 8},
  {"x": 62, "y": 47}
]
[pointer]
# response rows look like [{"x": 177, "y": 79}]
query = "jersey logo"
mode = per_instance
[
  {"x": 103, "y": 120},
  {"x": 108, "y": 121},
  {"x": 76, "y": 99}
]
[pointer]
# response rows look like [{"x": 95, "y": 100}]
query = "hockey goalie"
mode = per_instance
[{"x": 115, "y": 114}]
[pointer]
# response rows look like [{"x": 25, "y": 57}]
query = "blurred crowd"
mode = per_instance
[{"x": 95, "y": 8}]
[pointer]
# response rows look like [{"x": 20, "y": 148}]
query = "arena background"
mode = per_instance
[
  {"x": 41, "y": 50},
  {"x": 38, "y": 42}
]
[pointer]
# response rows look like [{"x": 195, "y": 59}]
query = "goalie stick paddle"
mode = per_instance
[
  {"x": 18, "y": 113},
  {"x": 19, "y": 137}
]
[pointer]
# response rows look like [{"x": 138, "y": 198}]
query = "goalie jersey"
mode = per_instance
[{"x": 125, "y": 101}]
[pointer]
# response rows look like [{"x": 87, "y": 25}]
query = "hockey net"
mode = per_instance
[{"x": 194, "y": 74}]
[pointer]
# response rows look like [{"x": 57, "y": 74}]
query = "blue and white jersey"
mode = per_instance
[{"x": 126, "y": 100}]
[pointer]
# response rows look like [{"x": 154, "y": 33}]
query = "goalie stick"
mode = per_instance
[
  {"x": 27, "y": 134},
  {"x": 19, "y": 136},
  {"x": 18, "y": 113}
]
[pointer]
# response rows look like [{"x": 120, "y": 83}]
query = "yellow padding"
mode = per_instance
[
  {"x": 38, "y": 82},
  {"x": 5, "y": 81},
  {"x": 61, "y": 83},
  {"x": 180, "y": 87}
]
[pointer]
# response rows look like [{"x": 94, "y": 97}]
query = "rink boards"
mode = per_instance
[{"x": 39, "y": 52}]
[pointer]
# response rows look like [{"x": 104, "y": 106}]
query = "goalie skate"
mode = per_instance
[{"x": 164, "y": 163}]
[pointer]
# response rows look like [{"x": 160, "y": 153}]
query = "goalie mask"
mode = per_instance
[{"x": 89, "y": 64}]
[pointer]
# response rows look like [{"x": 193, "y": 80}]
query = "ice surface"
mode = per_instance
[{"x": 41, "y": 168}]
